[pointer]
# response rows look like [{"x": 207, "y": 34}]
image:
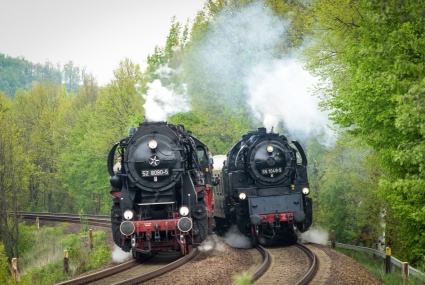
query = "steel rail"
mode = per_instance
[
  {"x": 161, "y": 271},
  {"x": 103, "y": 221},
  {"x": 264, "y": 265},
  {"x": 101, "y": 274},
  {"x": 306, "y": 279}
]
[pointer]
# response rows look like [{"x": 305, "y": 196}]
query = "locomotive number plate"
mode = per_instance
[
  {"x": 155, "y": 172},
  {"x": 266, "y": 171}
]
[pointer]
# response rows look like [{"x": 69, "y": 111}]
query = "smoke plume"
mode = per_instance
[
  {"x": 161, "y": 102},
  {"x": 240, "y": 50}
]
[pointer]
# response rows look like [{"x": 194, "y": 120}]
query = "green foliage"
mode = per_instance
[
  {"x": 41, "y": 246},
  {"x": 96, "y": 120},
  {"x": 37, "y": 112},
  {"x": 406, "y": 197},
  {"x": 18, "y": 73},
  {"x": 14, "y": 172},
  {"x": 102, "y": 253},
  {"x": 376, "y": 266},
  {"x": 26, "y": 238},
  {"x": 4, "y": 266},
  {"x": 243, "y": 279},
  {"x": 83, "y": 221},
  {"x": 48, "y": 274},
  {"x": 49, "y": 269},
  {"x": 71, "y": 76},
  {"x": 80, "y": 261},
  {"x": 220, "y": 136},
  {"x": 371, "y": 54},
  {"x": 316, "y": 154},
  {"x": 349, "y": 204}
]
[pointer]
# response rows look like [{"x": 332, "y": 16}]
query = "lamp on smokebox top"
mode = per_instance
[
  {"x": 269, "y": 148},
  {"x": 153, "y": 144}
]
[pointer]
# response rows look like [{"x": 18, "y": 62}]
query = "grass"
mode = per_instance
[
  {"x": 43, "y": 262},
  {"x": 376, "y": 265},
  {"x": 46, "y": 247}
]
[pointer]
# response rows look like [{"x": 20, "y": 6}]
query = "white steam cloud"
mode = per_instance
[
  {"x": 240, "y": 51},
  {"x": 120, "y": 256},
  {"x": 212, "y": 243},
  {"x": 236, "y": 239},
  {"x": 316, "y": 235},
  {"x": 280, "y": 91},
  {"x": 161, "y": 102}
]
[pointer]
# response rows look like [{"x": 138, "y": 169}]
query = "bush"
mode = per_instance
[
  {"x": 48, "y": 274},
  {"x": 50, "y": 267},
  {"x": 4, "y": 266},
  {"x": 243, "y": 279}
]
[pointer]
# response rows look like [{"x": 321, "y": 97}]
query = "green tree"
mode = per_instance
[
  {"x": 71, "y": 76},
  {"x": 14, "y": 172},
  {"x": 103, "y": 119},
  {"x": 4, "y": 266},
  {"x": 37, "y": 112},
  {"x": 316, "y": 155},
  {"x": 18, "y": 73},
  {"x": 370, "y": 53},
  {"x": 348, "y": 199}
]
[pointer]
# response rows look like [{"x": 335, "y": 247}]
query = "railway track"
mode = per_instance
[
  {"x": 148, "y": 270},
  {"x": 264, "y": 265},
  {"x": 101, "y": 221},
  {"x": 311, "y": 271},
  {"x": 288, "y": 266},
  {"x": 107, "y": 276}
]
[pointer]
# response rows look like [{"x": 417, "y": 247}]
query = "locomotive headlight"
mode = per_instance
[
  {"x": 128, "y": 214},
  {"x": 269, "y": 148},
  {"x": 306, "y": 191},
  {"x": 184, "y": 211},
  {"x": 153, "y": 144},
  {"x": 242, "y": 196}
]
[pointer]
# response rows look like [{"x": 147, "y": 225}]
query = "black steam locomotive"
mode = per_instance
[
  {"x": 162, "y": 193},
  {"x": 263, "y": 189}
]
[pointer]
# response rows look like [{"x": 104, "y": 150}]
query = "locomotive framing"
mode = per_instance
[
  {"x": 263, "y": 189},
  {"x": 162, "y": 195}
]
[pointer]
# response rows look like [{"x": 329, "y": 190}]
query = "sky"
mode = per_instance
[{"x": 94, "y": 34}]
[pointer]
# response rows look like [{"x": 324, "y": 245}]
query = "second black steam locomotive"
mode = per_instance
[
  {"x": 263, "y": 189},
  {"x": 162, "y": 193}
]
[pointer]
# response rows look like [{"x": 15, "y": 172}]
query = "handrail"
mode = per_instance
[{"x": 394, "y": 260}]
